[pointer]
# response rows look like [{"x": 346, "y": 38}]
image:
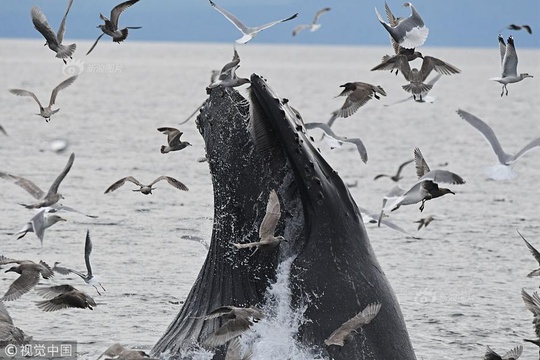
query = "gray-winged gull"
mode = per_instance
[
  {"x": 54, "y": 41},
  {"x": 532, "y": 303},
  {"x": 520, "y": 27},
  {"x": 535, "y": 254},
  {"x": 111, "y": 26},
  {"x": 347, "y": 330},
  {"x": 173, "y": 140},
  {"x": 249, "y": 32},
  {"x": 227, "y": 76},
  {"x": 29, "y": 275},
  {"x": 408, "y": 33},
  {"x": 39, "y": 222},
  {"x": 358, "y": 94},
  {"x": 45, "y": 199},
  {"x": 146, "y": 189},
  {"x": 314, "y": 26},
  {"x": 424, "y": 222},
  {"x": 329, "y": 133},
  {"x": 512, "y": 354},
  {"x": 509, "y": 62},
  {"x": 46, "y": 112},
  {"x": 397, "y": 176},
  {"x": 238, "y": 320}
]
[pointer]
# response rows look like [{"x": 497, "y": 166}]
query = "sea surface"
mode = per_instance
[{"x": 458, "y": 281}]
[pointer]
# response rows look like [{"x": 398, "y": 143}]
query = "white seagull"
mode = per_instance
[
  {"x": 347, "y": 330},
  {"x": 46, "y": 112},
  {"x": 249, "y": 32},
  {"x": 504, "y": 157},
  {"x": 111, "y": 26},
  {"x": 408, "y": 33},
  {"x": 509, "y": 62},
  {"x": 39, "y": 222},
  {"x": 340, "y": 139},
  {"x": 313, "y": 26},
  {"x": 54, "y": 41}
]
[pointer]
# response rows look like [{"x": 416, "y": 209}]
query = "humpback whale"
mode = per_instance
[{"x": 253, "y": 147}]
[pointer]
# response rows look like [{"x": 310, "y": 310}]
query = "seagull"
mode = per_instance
[
  {"x": 227, "y": 76},
  {"x": 509, "y": 62},
  {"x": 313, "y": 26},
  {"x": 46, "y": 112},
  {"x": 423, "y": 98},
  {"x": 417, "y": 77},
  {"x": 54, "y": 41},
  {"x": 358, "y": 94},
  {"x": 408, "y": 33},
  {"x": 29, "y": 273},
  {"x": 51, "y": 197},
  {"x": 238, "y": 320},
  {"x": 111, "y": 26},
  {"x": 63, "y": 297},
  {"x": 392, "y": 62},
  {"x": 268, "y": 226},
  {"x": 9, "y": 333},
  {"x": 235, "y": 351},
  {"x": 425, "y": 221},
  {"x": 341, "y": 139},
  {"x": 520, "y": 27},
  {"x": 39, "y": 222},
  {"x": 173, "y": 140},
  {"x": 118, "y": 352},
  {"x": 89, "y": 277},
  {"x": 426, "y": 188},
  {"x": 534, "y": 253},
  {"x": 392, "y": 195},
  {"x": 146, "y": 189},
  {"x": 505, "y": 158},
  {"x": 533, "y": 304},
  {"x": 249, "y": 32},
  {"x": 397, "y": 177},
  {"x": 347, "y": 330},
  {"x": 513, "y": 354},
  {"x": 370, "y": 217}
]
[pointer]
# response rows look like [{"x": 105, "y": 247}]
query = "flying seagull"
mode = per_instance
[
  {"x": 341, "y": 139},
  {"x": 46, "y": 112},
  {"x": 509, "y": 62},
  {"x": 397, "y": 176},
  {"x": 111, "y": 26},
  {"x": 534, "y": 253},
  {"x": 424, "y": 222},
  {"x": 54, "y": 41},
  {"x": 51, "y": 197},
  {"x": 173, "y": 140},
  {"x": 63, "y": 297},
  {"x": 238, "y": 320},
  {"x": 427, "y": 186},
  {"x": 227, "y": 76},
  {"x": 146, "y": 189},
  {"x": 313, "y": 26},
  {"x": 533, "y": 304},
  {"x": 347, "y": 330},
  {"x": 505, "y": 158},
  {"x": 39, "y": 222},
  {"x": 29, "y": 275},
  {"x": 520, "y": 27},
  {"x": 358, "y": 94},
  {"x": 267, "y": 239},
  {"x": 408, "y": 33},
  {"x": 513, "y": 354},
  {"x": 423, "y": 98},
  {"x": 249, "y": 32},
  {"x": 89, "y": 277}
]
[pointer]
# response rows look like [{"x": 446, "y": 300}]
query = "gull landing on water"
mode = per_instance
[
  {"x": 54, "y": 41},
  {"x": 408, "y": 33},
  {"x": 313, "y": 26},
  {"x": 268, "y": 226},
  {"x": 46, "y": 112},
  {"x": 509, "y": 62},
  {"x": 505, "y": 159},
  {"x": 249, "y": 32},
  {"x": 111, "y": 26},
  {"x": 146, "y": 189}
]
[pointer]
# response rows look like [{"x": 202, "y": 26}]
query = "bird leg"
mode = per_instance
[
  {"x": 97, "y": 290},
  {"x": 102, "y": 287},
  {"x": 422, "y": 206}
]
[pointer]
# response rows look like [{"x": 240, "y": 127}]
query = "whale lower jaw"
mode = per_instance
[{"x": 262, "y": 145}]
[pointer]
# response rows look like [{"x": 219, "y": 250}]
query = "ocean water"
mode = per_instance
[{"x": 458, "y": 283}]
